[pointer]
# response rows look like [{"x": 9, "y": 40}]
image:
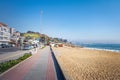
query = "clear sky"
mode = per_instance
[{"x": 80, "y": 20}]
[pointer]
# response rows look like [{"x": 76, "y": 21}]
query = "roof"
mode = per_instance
[{"x": 2, "y": 24}]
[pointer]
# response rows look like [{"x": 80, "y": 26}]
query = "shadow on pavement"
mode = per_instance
[{"x": 60, "y": 75}]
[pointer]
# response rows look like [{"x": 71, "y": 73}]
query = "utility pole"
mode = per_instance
[{"x": 41, "y": 14}]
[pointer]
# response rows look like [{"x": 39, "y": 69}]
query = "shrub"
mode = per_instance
[{"x": 8, "y": 64}]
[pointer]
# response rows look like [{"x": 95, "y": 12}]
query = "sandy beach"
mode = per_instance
[{"x": 86, "y": 64}]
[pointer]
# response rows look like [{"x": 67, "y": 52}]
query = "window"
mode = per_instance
[
  {"x": 2, "y": 28},
  {"x": 1, "y": 33},
  {"x": 1, "y": 38}
]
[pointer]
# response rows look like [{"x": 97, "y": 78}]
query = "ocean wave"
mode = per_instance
[{"x": 102, "y": 49}]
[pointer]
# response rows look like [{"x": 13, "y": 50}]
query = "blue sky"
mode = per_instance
[{"x": 79, "y": 20}]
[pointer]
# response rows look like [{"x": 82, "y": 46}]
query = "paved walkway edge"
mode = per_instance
[
  {"x": 59, "y": 72},
  {"x": 51, "y": 72}
]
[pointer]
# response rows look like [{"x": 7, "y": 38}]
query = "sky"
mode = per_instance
[{"x": 75, "y": 20}]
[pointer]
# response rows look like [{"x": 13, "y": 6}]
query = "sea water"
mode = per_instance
[{"x": 101, "y": 46}]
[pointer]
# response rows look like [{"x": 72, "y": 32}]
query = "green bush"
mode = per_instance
[
  {"x": 43, "y": 47},
  {"x": 8, "y": 64}
]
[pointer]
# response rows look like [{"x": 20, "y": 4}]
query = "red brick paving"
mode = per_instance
[
  {"x": 50, "y": 69},
  {"x": 21, "y": 70}
]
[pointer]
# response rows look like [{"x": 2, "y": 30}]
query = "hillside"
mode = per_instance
[{"x": 44, "y": 37}]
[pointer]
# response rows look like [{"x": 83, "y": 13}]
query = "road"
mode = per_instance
[
  {"x": 11, "y": 53},
  {"x": 7, "y": 50}
]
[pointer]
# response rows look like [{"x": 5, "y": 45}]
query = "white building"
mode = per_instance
[
  {"x": 4, "y": 34},
  {"x": 15, "y": 36},
  {"x": 12, "y": 30}
]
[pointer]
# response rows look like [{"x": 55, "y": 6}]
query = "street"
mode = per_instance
[
  {"x": 11, "y": 53},
  {"x": 8, "y": 50}
]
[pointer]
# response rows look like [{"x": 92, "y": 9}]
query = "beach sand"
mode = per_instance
[{"x": 86, "y": 64}]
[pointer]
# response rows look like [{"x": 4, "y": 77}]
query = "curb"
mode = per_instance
[
  {"x": 58, "y": 54},
  {"x": 57, "y": 67},
  {"x": 50, "y": 71}
]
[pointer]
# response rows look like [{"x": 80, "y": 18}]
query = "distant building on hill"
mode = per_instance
[{"x": 4, "y": 34}]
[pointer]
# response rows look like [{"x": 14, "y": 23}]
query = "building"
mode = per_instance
[
  {"x": 14, "y": 37},
  {"x": 4, "y": 34},
  {"x": 12, "y": 30}
]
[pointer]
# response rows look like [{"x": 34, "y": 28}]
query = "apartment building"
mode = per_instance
[
  {"x": 4, "y": 34},
  {"x": 15, "y": 36},
  {"x": 12, "y": 31}
]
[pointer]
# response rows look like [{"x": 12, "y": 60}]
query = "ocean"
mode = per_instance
[{"x": 101, "y": 46}]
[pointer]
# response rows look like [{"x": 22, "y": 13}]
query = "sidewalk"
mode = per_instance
[{"x": 38, "y": 67}]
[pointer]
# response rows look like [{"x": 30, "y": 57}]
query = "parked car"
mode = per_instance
[
  {"x": 27, "y": 47},
  {"x": 11, "y": 45},
  {"x": 4, "y": 46},
  {"x": 34, "y": 45}
]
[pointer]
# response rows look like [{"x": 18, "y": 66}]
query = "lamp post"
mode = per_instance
[{"x": 41, "y": 13}]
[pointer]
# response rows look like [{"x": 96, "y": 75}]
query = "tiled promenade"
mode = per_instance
[{"x": 38, "y": 67}]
